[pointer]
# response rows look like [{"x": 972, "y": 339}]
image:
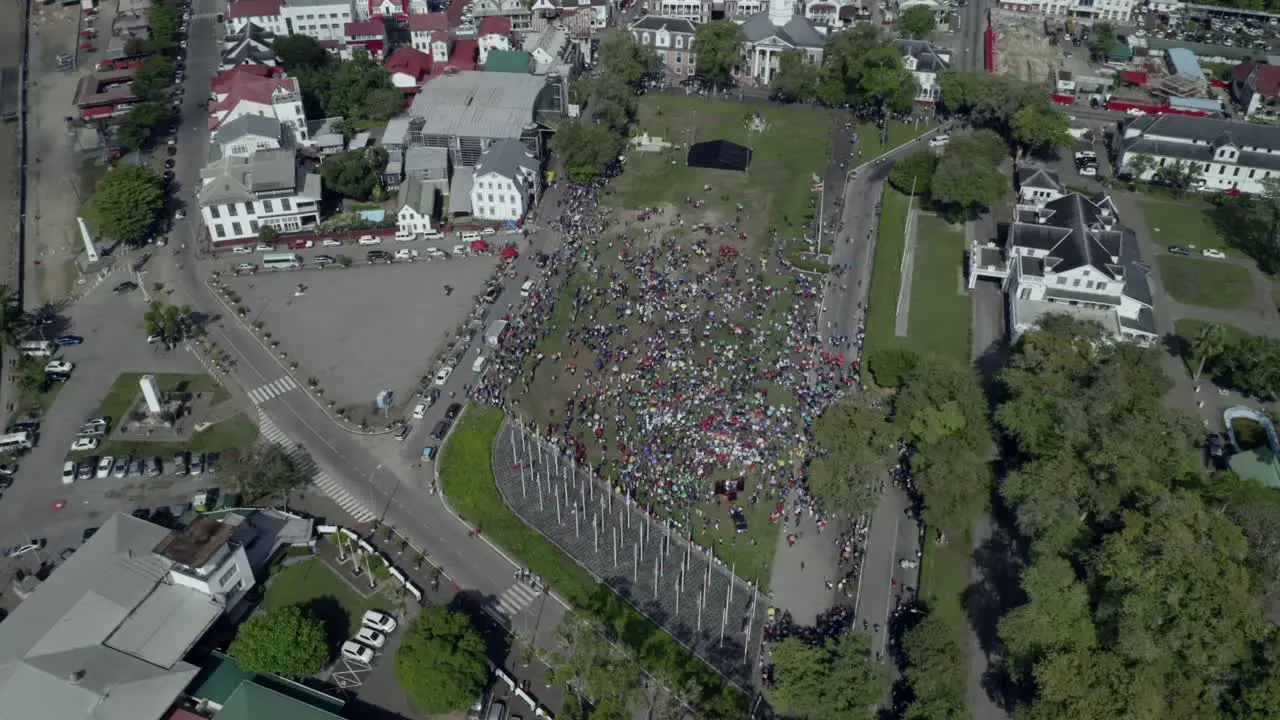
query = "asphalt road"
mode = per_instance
[{"x": 973, "y": 23}]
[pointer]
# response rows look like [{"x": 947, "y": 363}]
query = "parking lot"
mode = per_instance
[{"x": 366, "y": 328}]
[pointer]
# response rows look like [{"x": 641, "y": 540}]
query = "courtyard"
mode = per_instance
[{"x": 364, "y": 329}]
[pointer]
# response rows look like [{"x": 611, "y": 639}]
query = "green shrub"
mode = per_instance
[{"x": 891, "y": 366}]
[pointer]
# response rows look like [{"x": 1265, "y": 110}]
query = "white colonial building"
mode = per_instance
[
  {"x": 1069, "y": 255},
  {"x": 493, "y": 33},
  {"x": 1110, "y": 10},
  {"x": 276, "y": 97},
  {"x": 924, "y": 61},
  {"x": 1225, "y": 155},
  {"x": 773, "y": 32},
  {"x": 320, "y": 19},
  {"x": 671, "y": 38},
  {"x": 505, "y": 182},
  {"x": 246, "y": 135},
  {"x": 239, "y": 195},
  {"x": 266, "y": 14}
]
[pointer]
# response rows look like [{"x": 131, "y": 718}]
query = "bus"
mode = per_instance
[
  {"x": 274, "y": 261},
  {"x": 16, "y": 442},
  {"x": 37, "y": 348}
]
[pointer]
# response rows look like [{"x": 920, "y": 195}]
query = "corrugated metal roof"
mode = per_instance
[{"x": 478, "y": 104}]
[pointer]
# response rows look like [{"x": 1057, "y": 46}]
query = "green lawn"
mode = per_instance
[
  {"x": 747, "y": 553},
  {"x": 1181, "y": 222},
  {"x": 1207, "y": 283},
  {"x": 794, "y": 145},
  {"x": 125, "y": 390},
  {"x": 900, "y": 134},
  {"x": 314, "y": 584},
  {"x": 939, "y": 317},
  {"x": 466, "y": 477},
  {"x": 1187, "y": 330},
  {"x": 238, "y": 431}
]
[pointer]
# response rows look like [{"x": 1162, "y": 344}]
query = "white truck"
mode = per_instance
[{"x": 493, "y": 336}]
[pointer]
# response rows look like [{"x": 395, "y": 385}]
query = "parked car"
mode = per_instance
[
  {"x": 85, "y": 468},
  {"x": 153, "y": 466},
  {"x": 406, "y": 254},
  {"x": 1176, "y": 250},
  {"x": 372, "y": 638},
  {"x": 68, "y": 472},
  {"x": 124, "y": 287},
  {"x": 939, "y": 141},
  {"x": 180, "y": 464},
  {"x": 378, "y": 620},
  {"x": 442, "y": 375},
  {"x": 441, "y": 428},
  {"x": 1213, "y": 253},
  {"x": 197, "y": 464},
  {"x": 120, "y": 468},
  {"x": 8, "y": 470},
  {"x": 82, "y": 444},
  {"x": 419, "y": 411},
  {"x": 369, "y": 240},
  {"x": 453, "y": 411},
  {"x": 331, "y": 242},
  {"x": 68, "y": 340},
  {"x": 402, "y": 432},
  {"x": 104, "y": 467},
  {"x": 353, "y": 650},
  {"x": 376, "y": 256}
]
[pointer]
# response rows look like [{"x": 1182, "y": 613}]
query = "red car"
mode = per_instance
[{"x": 301, "y": 244}]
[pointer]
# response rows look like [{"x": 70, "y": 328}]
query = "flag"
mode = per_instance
[{"x": 817, "y": 184}]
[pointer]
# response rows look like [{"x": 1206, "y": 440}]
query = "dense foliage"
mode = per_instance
[
  {"x": 1142, "y": 586},
  {"x": 358, "y": 90},
  {"x": 441, "y": 662},
  {"x": 1250, "y": 222},
  {"x": 289, "y": 641},
  {"x": 356, "y": 173},
  {"x": 125, "y": 203},
  {"x": 836, "y": 680}
]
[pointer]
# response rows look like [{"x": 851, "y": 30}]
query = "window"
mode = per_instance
[
  {"x": 490, "y": 197},
  {"x": 679, "y": 41},
  {"x": 253, "y": 226},
  {"x": 1075, "y": 283},
  {"x": 268, "y": 206},
  {"x": 219, "y": 231},
  {"x": 679, "y": 58},
  {"x": 1062, "y": 281},
  {"x": 225, "y": 578},
  {"x": 284, "y": 204},
  {"x": 235, "y": 229},
  {"x": 248, "y": 208},
  {"x": 213, "y": 212}
]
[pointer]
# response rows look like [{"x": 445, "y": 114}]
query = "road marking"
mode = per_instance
[
  {"x": 516, "y": 598},
  {"x": 272, "y": 389},
  {"x": 321, "y": 479}
]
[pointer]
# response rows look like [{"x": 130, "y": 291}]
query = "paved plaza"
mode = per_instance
[{"x": 693, "y": 596}]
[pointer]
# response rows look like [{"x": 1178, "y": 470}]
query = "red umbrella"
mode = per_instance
[
  {"x": 58, "y": 505},
  {"x": 1233, "y": 192},
  {"x": 86, "y": 46},
  {"x": 509, "y": 253},
  {"x": 87, "y": 33},
  {"x": 479, "y": 245}
]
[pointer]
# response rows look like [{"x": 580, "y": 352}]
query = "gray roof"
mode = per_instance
[
  {"x": 551, "y": 41},
  {"x": 510, "y": 159},
  {"x": 397, "y": 131},
  {"x": 670, "y": 24},
  {"x": 259, "y": 125},
  {"x": 248, "y": 54},
  {"x": 250, "y": 31},
  {"x": 1038, "y": 177},
  {"x": 799, "y": 31},
  {"x": 1184, "y": 62},
  {"x": 273, "y": 170},
  {"x": 928, "y": 56},
  {"x": 239, "y": 179},
  {"x": 419, "y": 195},
  {"x": 395, "y": 163},
  {"x": 1213, "y": 131},
  {"x": 478, "y": 104},
  {"x": 430, "y": 163},
  {"x": 103, "y": 637},
  {"x": 460, "y": 191}
]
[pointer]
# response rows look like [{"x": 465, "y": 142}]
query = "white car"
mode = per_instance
[
  {"x": 84, "y": 443},
  {"x": 180, "y": 215},
  {"x": 104, "y": 467},
  {"x": 68, "y": 472},
  {"x": 404, "y": 236},
  {"x": 939, "y": 141},
  {"x": 372, "y": 638},
  {"x": 459, "y": 250},
  {"x": 489, "y": 231},
  {"x": 370, "y": 240},
  {"x": 1136, "y": 112},
  {"x": 406, "y": 254},
  {"x": 330, "y": 242},
  {"x": 420, "y": 411},
  {"x": 378, "y": 620},
  {"x": 353, "y": 650},
  {"x": 442, "y": 375},
  {"x": 1212, "y": 253},
  {"x": 59, "y": 366},
  {"x": 1089, "y": 170},
  {"x": 263, "y": 248}
]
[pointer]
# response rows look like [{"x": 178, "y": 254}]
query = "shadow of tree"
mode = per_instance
[{"x": 331, "y": 613}]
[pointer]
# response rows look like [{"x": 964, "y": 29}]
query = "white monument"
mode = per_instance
[
  {"x": 90, "y": 248},
  {"x": 151, "y": 392}
]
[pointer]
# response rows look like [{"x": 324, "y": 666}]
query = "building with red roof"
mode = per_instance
[
  {"x": 409, "y": 68},
  {"x": 369, "y": 35},
  {"x": 245, "y": 93},
  {"x": 1256, "y": 87},
  {"x": 494, "y": 33},
  {"x": 462, "y": 56},
  {"x": 266, "y": 14},
  {"x": 223, "y": 80},
  {"x": 423, "y": 26}
]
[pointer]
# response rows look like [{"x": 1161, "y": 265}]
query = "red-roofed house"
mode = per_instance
[
  {"x": 494, "y": 33},
  {"x": 263, "y": 13},
  {"x": 422, "y": 26},
  {"x": 408, "y": 68},
  {"x": 221, "y": 82},
  {"x": 369, "y": 35},
  {"x": 454, "y": 13},
  {"x": 461, "y": 57},
  {"x": 247, "y": 94},
  {"x": 1256, "y": 87}
]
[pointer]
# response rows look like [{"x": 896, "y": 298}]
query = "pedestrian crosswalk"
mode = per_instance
[
  {"x": 264, "y": 393},
  {"x": 321, "y": 479},
  {"x": 516, "y": 598}
]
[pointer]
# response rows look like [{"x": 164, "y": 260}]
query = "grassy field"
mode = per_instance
[
  {"x": 1181, "y": 222},
  {"x": 312, "y": 583},
  {"x": 773, "y": 193},
  {"x": 466, "y": 477},
  {"x": 886, "y": 272},
  {"x": 900, "y": 133},
  {"x": 1187, "y": 330},
  {"x": 125, "y": 390},
  {"x": 238, "y": 431},
  {"x": 1207, "y": 283}
]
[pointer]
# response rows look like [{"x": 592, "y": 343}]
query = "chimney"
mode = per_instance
[{"x": 75, "y": 678}]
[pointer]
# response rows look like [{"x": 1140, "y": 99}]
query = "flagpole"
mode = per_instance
[{"x": 822, "y": 197}]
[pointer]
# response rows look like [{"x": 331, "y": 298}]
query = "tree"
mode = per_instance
[
  {"x": 600, "y": 676},
  {"x": 719, "y": 44},
  {"x": 586, "y": 149},
  {"x": 268, "y": 235},
  {"x": 613, "y": 103},
  {"x": 354, "y": 173},
  {"x": 837, "y": 680},
  {"x": 914, "y": 173},
  {"x": 382, "y": 104},
  {"x": 288, "y": 641},
  {"x": 935, "y": 670},
  {"x": 299, "y": 52},
  {"x": 261, "y": 471},
  {"x": 918, "y": 22},
  {"x": 797, "y": 78},
  {"x": 1103, "y": 40},
  {"x": 354, "y": 83},
  {"x": 855, "y": 445},
  {"x": 1250, "y": 364},
  {"x": 990, "y": 100},
  {"x": 861, "y": 66},
  {"x": 125, "y": 203},
  {"x": 15, "y": 322},
  {"x": 626, "y": 59},
  {"x": 1038, "y": 128},
  {"x": 153, "y": 80},
  {"x": 141, "y": 124},
  {"x": 1178, "y": 175},
  {"x": 1140, "y": 164},
  {"x": 1208, "y": 344},
  {"x": 441, "y": 662},
  {"x": 167, "y": 320},
  {"x": 968, "y": 177}
]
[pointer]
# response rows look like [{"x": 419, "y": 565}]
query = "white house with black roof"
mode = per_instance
[
  {"x": 1071, "y": 256},
  {"x": 773, "y": 32},
  {"x": 1226, "y": 155},
  {"x": 250, "y": 45},
  {"x": 1038, "y": 186},
  {"x": 924, "y": 61}
]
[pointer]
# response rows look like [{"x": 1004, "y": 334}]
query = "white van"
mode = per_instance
[
  {"x": 478, "y": 365},
  {"x": 469, "y": 236},
  {"x": 37, "y": 348},
  {"x": 242, "y": 250},
  {"x": 526, "y": 288},
  {"x": 433, "y": 235}
]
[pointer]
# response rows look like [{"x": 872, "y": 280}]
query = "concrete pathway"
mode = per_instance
[{"x": 907, "y": 272}]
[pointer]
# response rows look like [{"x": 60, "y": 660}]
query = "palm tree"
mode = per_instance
[
  {"x": 15, "y": 323},
  {"x": 1140, "y": 164},
  {"x": 1208, "y": 344}
]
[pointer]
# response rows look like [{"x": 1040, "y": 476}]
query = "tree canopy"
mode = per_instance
[
  {"x": 154, "y": 78},
  {"x": 164, "y": 319},
  {"x": 1141, "y": 598},
  {"x": 861, "y": 66},
  {"x": 586, "y": 149},
  {"x": 796, "y": 79},
  {"x": 601, "y": 677},
  {"x": 837, "y": 680},
  {"x": 719, "y": 44},
  {"x": 626, "y": 59},
  {"x": 261, "y": 471},
  {"x": 15, "y": 323},
  {"x": 969, "y": 176},
  {"x": 1018, "y": 111},
  {"x": 288, "y": 641},
  {"x": 914, "y": 173},
  {"x": 355, "y": 173},
  {"x": 125, "y": 204},
  {"x": 856, "y": 446},
  {"x": 1249, "y": 222},
  {"x": 142, "y": 124},
  {"x": 919, "y": 22},
  {"x": 441, "y": 661}
]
